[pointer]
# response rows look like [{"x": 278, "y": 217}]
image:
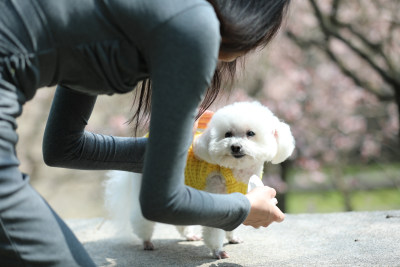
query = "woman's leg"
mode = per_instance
[{"x": 31, "y": 234}]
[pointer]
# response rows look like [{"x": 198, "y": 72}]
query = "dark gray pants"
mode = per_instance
[{"x": 31, "y": 233}]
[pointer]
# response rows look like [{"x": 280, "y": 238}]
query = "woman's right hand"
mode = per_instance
[{"x": 263, "y": 209}]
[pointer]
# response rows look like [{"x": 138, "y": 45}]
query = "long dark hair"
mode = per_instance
[{"x": 245, "y": 25}]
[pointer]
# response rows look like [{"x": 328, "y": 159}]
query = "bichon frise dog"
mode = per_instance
[{"x": 233, "y": 148}]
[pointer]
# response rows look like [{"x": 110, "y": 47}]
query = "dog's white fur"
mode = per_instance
[{"x": 228, "y": 141}]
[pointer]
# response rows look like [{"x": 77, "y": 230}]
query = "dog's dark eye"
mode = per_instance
[
  {"x": 228, "y": 134},
  {"x": 250, "y": 133}
]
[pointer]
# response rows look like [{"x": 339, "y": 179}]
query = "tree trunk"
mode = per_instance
[
  {"x": 340, "y": 184},
  {"x": 397, "y": 99},
  {"x": 281, "y": 197}
]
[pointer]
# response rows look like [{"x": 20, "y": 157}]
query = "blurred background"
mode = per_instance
[{"x": 333, "y": 74}]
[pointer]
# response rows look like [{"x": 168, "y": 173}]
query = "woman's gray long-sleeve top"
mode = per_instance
[{"x": 92, "y": 47}]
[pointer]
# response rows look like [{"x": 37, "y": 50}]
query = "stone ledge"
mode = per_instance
[{"x": 334, "y": 239}]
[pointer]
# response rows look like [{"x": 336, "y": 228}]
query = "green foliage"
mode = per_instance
[
  {"x": 314, "y": 202},
  {"x": 383, "y": 199},
  {"x": 332, "y": 201},
  {"x": 369, "y": 187}
]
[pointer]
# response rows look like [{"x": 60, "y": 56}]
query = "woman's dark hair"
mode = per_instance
[{"x": 245, "y": 25}]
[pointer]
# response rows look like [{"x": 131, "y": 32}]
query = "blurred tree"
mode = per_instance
[
  {"x": 341, "y": 110},
  {"x": 356, "y": 34}
]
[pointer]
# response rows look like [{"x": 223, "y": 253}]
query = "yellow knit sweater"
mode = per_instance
[{"x": 197, "y": 171}]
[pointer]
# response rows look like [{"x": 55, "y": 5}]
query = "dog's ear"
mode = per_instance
[
  {"x": 285, "y": 141},
  {"x": 201, "y": 146}
]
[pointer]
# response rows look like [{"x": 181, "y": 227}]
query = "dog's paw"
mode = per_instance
[
  {"x": 220, "y": 254},
  {"x": 147, "y": 245},
  {"x": 193, "y": 237},
  {"x": 235, "y": 240}
]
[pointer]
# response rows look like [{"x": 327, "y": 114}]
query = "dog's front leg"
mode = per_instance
[
  {"x": 232, "y": 238},
  {"x": 188, "y": 232}
]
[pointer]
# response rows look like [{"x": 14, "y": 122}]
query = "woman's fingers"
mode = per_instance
[
  {"x": 279, "y": 215},
  {"x": 271, "y": 191},
  {"x": 263, "y": 207}
]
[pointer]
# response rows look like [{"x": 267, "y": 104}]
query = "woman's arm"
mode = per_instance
[
  {"x": 182, "y": 56},
  {"x": 67, "y": 144}
]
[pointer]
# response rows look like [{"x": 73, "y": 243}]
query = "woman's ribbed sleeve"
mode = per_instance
[{"x": 67, "y": 144}]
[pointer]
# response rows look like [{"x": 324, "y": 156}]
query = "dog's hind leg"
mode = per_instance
[
  {"x": 214, "y": 239},
  {"x": 122, "y": 203},
  {"x": 141, "y": 227}
]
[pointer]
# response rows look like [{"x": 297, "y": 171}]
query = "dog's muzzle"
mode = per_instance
[{"x": 236, "y": 151}]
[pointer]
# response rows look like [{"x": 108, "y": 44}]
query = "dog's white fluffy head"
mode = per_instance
[{"x": 242, "y": 135}]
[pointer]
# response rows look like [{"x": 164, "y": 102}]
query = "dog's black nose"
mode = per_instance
[{"x": 236, "y": 149}]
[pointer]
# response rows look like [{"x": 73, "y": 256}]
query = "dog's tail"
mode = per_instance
[{"x": 121, "y": 196}]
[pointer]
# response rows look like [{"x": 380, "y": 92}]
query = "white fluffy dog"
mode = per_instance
[{"x": 239, "y": 138}]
